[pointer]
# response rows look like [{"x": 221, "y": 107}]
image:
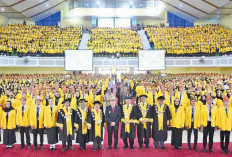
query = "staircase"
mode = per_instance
[
  {"x": 145, "y": 42},
  {"x": 84, "y": 41}
]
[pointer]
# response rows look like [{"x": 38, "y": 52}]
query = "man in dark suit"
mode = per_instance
[{"x": 113, "y": 116}]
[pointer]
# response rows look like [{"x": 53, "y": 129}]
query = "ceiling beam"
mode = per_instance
[
  {"x": 34, "y": 6},
  {"x": 17, "y": 3},
  {"x": 193, "y": 6},
  {"x": 209, "y": 3},
  {"x": 180, "y": 9},
  {"x": 48, "y": 9}
]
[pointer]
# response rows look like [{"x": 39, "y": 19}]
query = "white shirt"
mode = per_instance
[
  {"x": 193, "y": 109},
  {"x": 209, "y": 117}
]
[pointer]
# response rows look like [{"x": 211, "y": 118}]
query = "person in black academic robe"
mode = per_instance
[
  {"x": 8, "y": 123},
  {"x": 160, "y": 132},
  {"x": 80, "y": 123},
  {"x": 129, "y": 121},
  {"x": 65, "y": 122},
  {"x": 95, "y": 123},
  {"x": 144, "y": 125}
]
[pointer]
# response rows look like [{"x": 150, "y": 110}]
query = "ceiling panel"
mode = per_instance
[
  {"x": 27, "y": 4},
  {"x": 218, "y": 3},
  {"x": 200, "y": 5}
]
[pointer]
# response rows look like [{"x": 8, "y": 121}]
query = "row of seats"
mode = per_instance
[
  {"x": 191, "y": 40},
  {"x": 31, "y": 39},
  {"x": 113, "y": 40}
]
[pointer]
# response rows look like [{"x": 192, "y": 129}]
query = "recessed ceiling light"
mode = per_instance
[
  {"x": 3, "y": 9},
  {"x": 47, "y": 5},
  {"x": 180, "y": 5}
]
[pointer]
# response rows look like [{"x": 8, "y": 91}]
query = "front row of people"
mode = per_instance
[{"x": 89, "y": 123}]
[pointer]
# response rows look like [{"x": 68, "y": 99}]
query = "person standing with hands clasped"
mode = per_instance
[
  {"x": 193, "y": 122},
  {"x": 113, "y": 116},
  {"x": 65, "y": 123},
  {"x": 37, "y": 122},
  {"x": 225, "y": 124}
]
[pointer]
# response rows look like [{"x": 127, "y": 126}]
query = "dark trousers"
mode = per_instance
[
  {"x": 35, "y": 133},
  {"x": 176, "y": 140},
  {"x": 208, "y": 130},
  {"x": 146, "y": 141},
  {"x": 195, "y": 131},
  {"x": 68, "y": 142},
  {"x": 131, "y": 141},
  {"x": 83, "y": 140},
  {"x": 26, "y": 131},
  {"x": 112, "y": 129},
  {"x": 96, "y": 144},
  {"x": 225, "y": 136}
]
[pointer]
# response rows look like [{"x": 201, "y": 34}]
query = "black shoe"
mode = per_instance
[
  {"x": 211, "y": 151},
  {"x": 204, "y": 150},
  {"x": 101, "y": 147},
  {"x": 147, "y": 147},
  {"x": 223, "y": 152},
  {"x": 178, "y": 147},
  {"x": 109, "y": 148},
  {"x": 140, "y": 146},
  {"x": 227, "y": 152},
  {"x": 82, "y": 148},
  {"x": 189, "y": 148},
  {"x": 63, "y": 149},
  {"x": 116, "y": 148},
  {"x": 132, "y": 147},
  {"x": 94, "y": 149},
  {"x": 71, "y": 148},
  {"x": 195, "y": 149},
  {"x": 35, "y": 148},
  {"x": 163, "y": 147},
  {"x": 155, "y": 147},
  {"x": 28, "y": 147},
  {"x": 125, "y": 147},
  {"x": 41, "y": 148},
  {"x": 50, "y": 148},
  {"x": 21, "y": 147}
]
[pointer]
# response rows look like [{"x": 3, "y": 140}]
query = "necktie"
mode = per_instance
[
  {"x": 22, "y": 110},
  {"x": 37, "y": 112},
  {"x": 192, "y": 113},
  {"x": 113, "y": 110},
  {"x": 210, "y": 111},
  {"x": 127, "y": 106},
  {"x": 51, "y": 110},
  {"x": 66, "y": 108},
  {"x": 226, "y": 112}
]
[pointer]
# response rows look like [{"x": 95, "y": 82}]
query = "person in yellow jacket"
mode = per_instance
[
  {"x": 8, "y": 124},
  {"x": 177, "y": 123},
  {"x": 23, "y": 122},
  {"x": 209, "y": 122},
  {"x": 50, "y": 118},
  {"x": 193, "y": 122},
  {"x": 37, "y": 122},
  {"x": 225, "y": 125}
]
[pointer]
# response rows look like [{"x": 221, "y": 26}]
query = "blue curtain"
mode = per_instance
[
  {"x": 176, "y": 21},
  {"x": 50, "y": 20}
]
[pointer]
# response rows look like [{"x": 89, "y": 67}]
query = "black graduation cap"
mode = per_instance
[
  {"x": 128, "y": 97},
  {"x": 97, "y": 102},
  {"x": 161, "y": 98},
  {"x": 65, "y": 100}
]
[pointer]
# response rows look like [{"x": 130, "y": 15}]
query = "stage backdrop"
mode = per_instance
[
  {"x": 78, "y": 60},
  {"x": 151, "y": 59}
]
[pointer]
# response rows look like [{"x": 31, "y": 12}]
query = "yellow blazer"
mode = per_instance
[
  {"x": 23, "y": 120},
  {"x": 197, "y": 117},
  {"x": 50, "y": 119},
  {"x": 33, "y": 118},
  {"x": 178, "y": 119},
  {"x": 225, "y": 122},
  {"x": 11, "y": 120},
  {"x": 214, "y": 115}
]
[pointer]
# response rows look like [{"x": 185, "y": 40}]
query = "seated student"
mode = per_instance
[
  {"x": 8, "y": 124},
  {"x": 95, "y": 123}
]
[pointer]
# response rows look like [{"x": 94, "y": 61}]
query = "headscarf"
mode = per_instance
[{"x": 8, "y": 109}]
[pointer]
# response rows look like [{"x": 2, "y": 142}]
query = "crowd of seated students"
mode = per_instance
[
  {"x": 109, "y": 41},
  {"x": 204, "y": 40},
  {"x": 32, "y": 40}
]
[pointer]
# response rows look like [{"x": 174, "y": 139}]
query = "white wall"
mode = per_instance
[
  {"x": 205, "y": 21},
  {"x": 20, "y": 21},
  {"x": 3, "y": 20},
  {"x": 227, "y": 21}
]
